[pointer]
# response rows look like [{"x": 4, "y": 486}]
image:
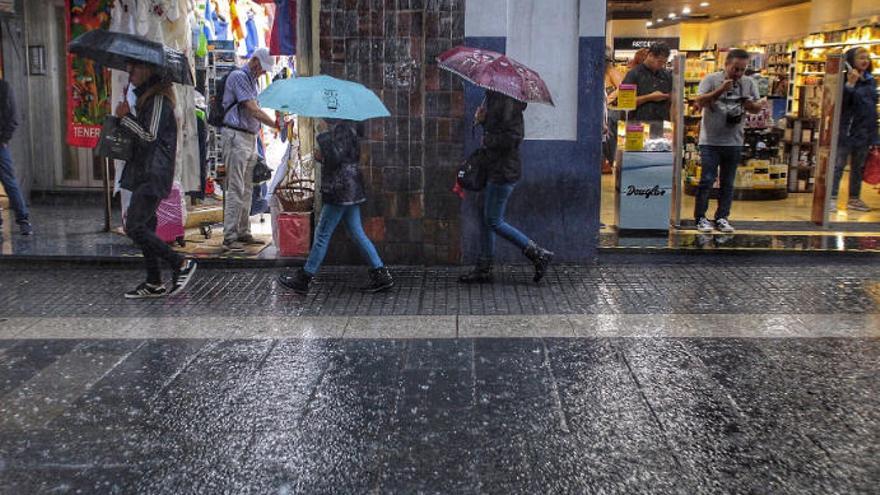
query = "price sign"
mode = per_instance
[{"x": 626, "y": 97}]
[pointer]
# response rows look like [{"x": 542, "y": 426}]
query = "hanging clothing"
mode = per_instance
[
  {"x": 251, "y": 40},
  {"x": 149, "y": 17},
  {"x": 237, "y": 31},
  {"x": 221, "y": 27},
  {"x": 283, "y": 37}
]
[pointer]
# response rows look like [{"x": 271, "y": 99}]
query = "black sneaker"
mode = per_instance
[
  {"x": 26, "y": 228},
  {"x": 380, "y": 280},
  {"x": 183, "y": 275},
  {"x": 146, "y": 291},
  {"x": 297, "y": 281}
]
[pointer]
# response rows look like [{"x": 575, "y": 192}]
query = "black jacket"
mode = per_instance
[
  {"x": 8, "y": 119},
  {"x": 858, "y": 117},
  {"x": 151, "y": 171},
  {"x": 503, "y": 131},
  {"x": 341, "y": 180}
]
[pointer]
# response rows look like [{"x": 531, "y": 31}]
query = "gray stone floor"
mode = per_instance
[{"x": 644, "y": 374}]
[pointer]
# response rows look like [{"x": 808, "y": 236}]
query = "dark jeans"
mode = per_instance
[
  {"x": 10, "y": 184},
  {"x": 711, "y": 158},
  {"x": 609, "y": 147},
  {"x": 140, "y": 225},
  {"x": 495, "y": 197},
  {"x": 856, "y": 169}
]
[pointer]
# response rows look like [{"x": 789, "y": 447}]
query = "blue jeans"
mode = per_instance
[
  {"x": 331, "y": 215},
  {"x": 711, "y": 158},
  {"x": 856, "y": 169},
  {"x": 10, "y": 184},
  {"x": 496, "y": 196}
]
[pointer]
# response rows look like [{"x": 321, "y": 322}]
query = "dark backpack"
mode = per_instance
[{"x": 216, "y": 111}]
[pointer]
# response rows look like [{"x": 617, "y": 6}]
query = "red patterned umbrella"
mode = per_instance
[{"x": 492, "y": 70}]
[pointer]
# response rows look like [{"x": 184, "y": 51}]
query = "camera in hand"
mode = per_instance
[{"x": 734, "y": 115}]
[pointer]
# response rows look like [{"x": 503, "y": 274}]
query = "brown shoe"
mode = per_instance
[
  {"x": 233, "y": 247},
  {"x": 250, "y": 240}
]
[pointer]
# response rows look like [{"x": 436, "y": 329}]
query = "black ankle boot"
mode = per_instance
[
  {"x": 298, "y": 281},
  {"x": 380, "y": 280},
  {"x": 481, "y": 274},
  {"x": 539, "y": 257}
]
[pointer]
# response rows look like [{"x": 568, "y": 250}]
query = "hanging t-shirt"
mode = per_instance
[{"x": 283, "y": 39}]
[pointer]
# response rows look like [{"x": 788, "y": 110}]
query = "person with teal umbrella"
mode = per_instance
[{"x": 342, "y": 184}]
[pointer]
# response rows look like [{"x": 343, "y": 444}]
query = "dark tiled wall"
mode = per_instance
[{"x": 409, "y": 159}]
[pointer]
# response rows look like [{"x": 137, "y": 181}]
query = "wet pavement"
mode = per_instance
[
  {"x": 638, "y": 375},
  {"x": 71, "y": 227}
]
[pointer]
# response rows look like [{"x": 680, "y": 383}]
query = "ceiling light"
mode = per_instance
[
  {"x": 704, "y": 4},
  {"x": 672, "y": 15},
  {"x": 649, "y": 24},
  {"x": 686, "y": 11},
  {"x": 659, "y": 21}
]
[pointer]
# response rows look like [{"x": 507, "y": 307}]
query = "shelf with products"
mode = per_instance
[
  {"x": 798, "y": 150},
  {"x": 811, "y": 55},
  {"x": 762, "y": 174}
]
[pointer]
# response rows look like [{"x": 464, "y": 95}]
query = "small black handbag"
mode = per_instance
[
  {"x": 472, "y": 173},
  {"x": 115, "y": 143},
  {"x": 262, "y": 172}
]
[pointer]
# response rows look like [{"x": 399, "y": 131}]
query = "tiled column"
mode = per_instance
[{"x": 409, "y": 159}]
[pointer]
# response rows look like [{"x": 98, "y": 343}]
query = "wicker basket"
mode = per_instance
[{"x": 296, "y": 196}]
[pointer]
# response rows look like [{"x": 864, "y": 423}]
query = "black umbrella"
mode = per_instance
[{"x": 116, "y": 50}]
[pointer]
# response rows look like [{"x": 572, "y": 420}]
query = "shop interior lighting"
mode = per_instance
[
  {"x": 672, "y": 15},
  {"x": 659, "y": 21},
  {"x": 704, "y": 4},
  {"x": 686, "y": 11},
  {"x": 649, "y": 24}
]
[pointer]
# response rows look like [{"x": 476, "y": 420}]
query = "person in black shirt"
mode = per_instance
[{"x": 654, "y": 86}]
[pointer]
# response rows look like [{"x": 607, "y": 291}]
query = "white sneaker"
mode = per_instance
[
  {"x": 724, "y": 226},
  {"x": 704, "y": 225}
]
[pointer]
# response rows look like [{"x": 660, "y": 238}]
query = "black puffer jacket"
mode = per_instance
[
  {"x": 503, "y": 132},
  {"x": 151, "y": 170},
  {"x": 8, "y": 120},
  {"x": 341, "y": 180}
]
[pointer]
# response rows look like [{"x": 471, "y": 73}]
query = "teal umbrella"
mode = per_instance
[{"x": 323, "y": 97}]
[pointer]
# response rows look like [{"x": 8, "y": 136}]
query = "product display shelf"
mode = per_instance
[
  {"x": 220, "y": 60},
  {"x": 808, "y": 63},
  {"x": 798, "y": 150}
]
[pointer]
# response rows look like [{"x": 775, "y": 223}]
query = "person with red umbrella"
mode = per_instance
[{"x": 510, "y": 86}]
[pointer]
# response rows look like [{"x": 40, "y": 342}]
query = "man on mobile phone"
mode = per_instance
[
  {"x": 724, "y": 97},
  {"x": 653, "y": 86}
]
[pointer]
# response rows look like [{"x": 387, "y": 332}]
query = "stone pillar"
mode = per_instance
[{"x": 409, "y": 159}]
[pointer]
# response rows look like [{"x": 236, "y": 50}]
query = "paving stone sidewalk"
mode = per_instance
[{"x": 624, "y": 285}]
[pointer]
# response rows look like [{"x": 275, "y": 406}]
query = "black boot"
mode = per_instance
[
  {"x": 380, "y": 280},
  {"x": 298, "y": 281},
  {"x": 481, "y": 274},
  {"x": 540, "y": 257}
]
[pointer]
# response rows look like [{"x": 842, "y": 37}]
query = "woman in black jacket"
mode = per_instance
[
  {"x": 149, "y": 175},
  {"x": 503, "y": 131},
  {"x": 858, "y": 126},
  {"x": 342, "y": 192}
]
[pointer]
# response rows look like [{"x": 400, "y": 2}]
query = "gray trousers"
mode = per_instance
[{"x": 240, "y": 156}]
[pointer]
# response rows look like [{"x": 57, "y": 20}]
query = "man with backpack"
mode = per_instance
[{"x": 241, "y": 119}]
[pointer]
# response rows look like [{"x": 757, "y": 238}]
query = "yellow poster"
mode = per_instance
[
  {"x": 626, "y": 97},
  {"x": 635, "y": 137}
]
